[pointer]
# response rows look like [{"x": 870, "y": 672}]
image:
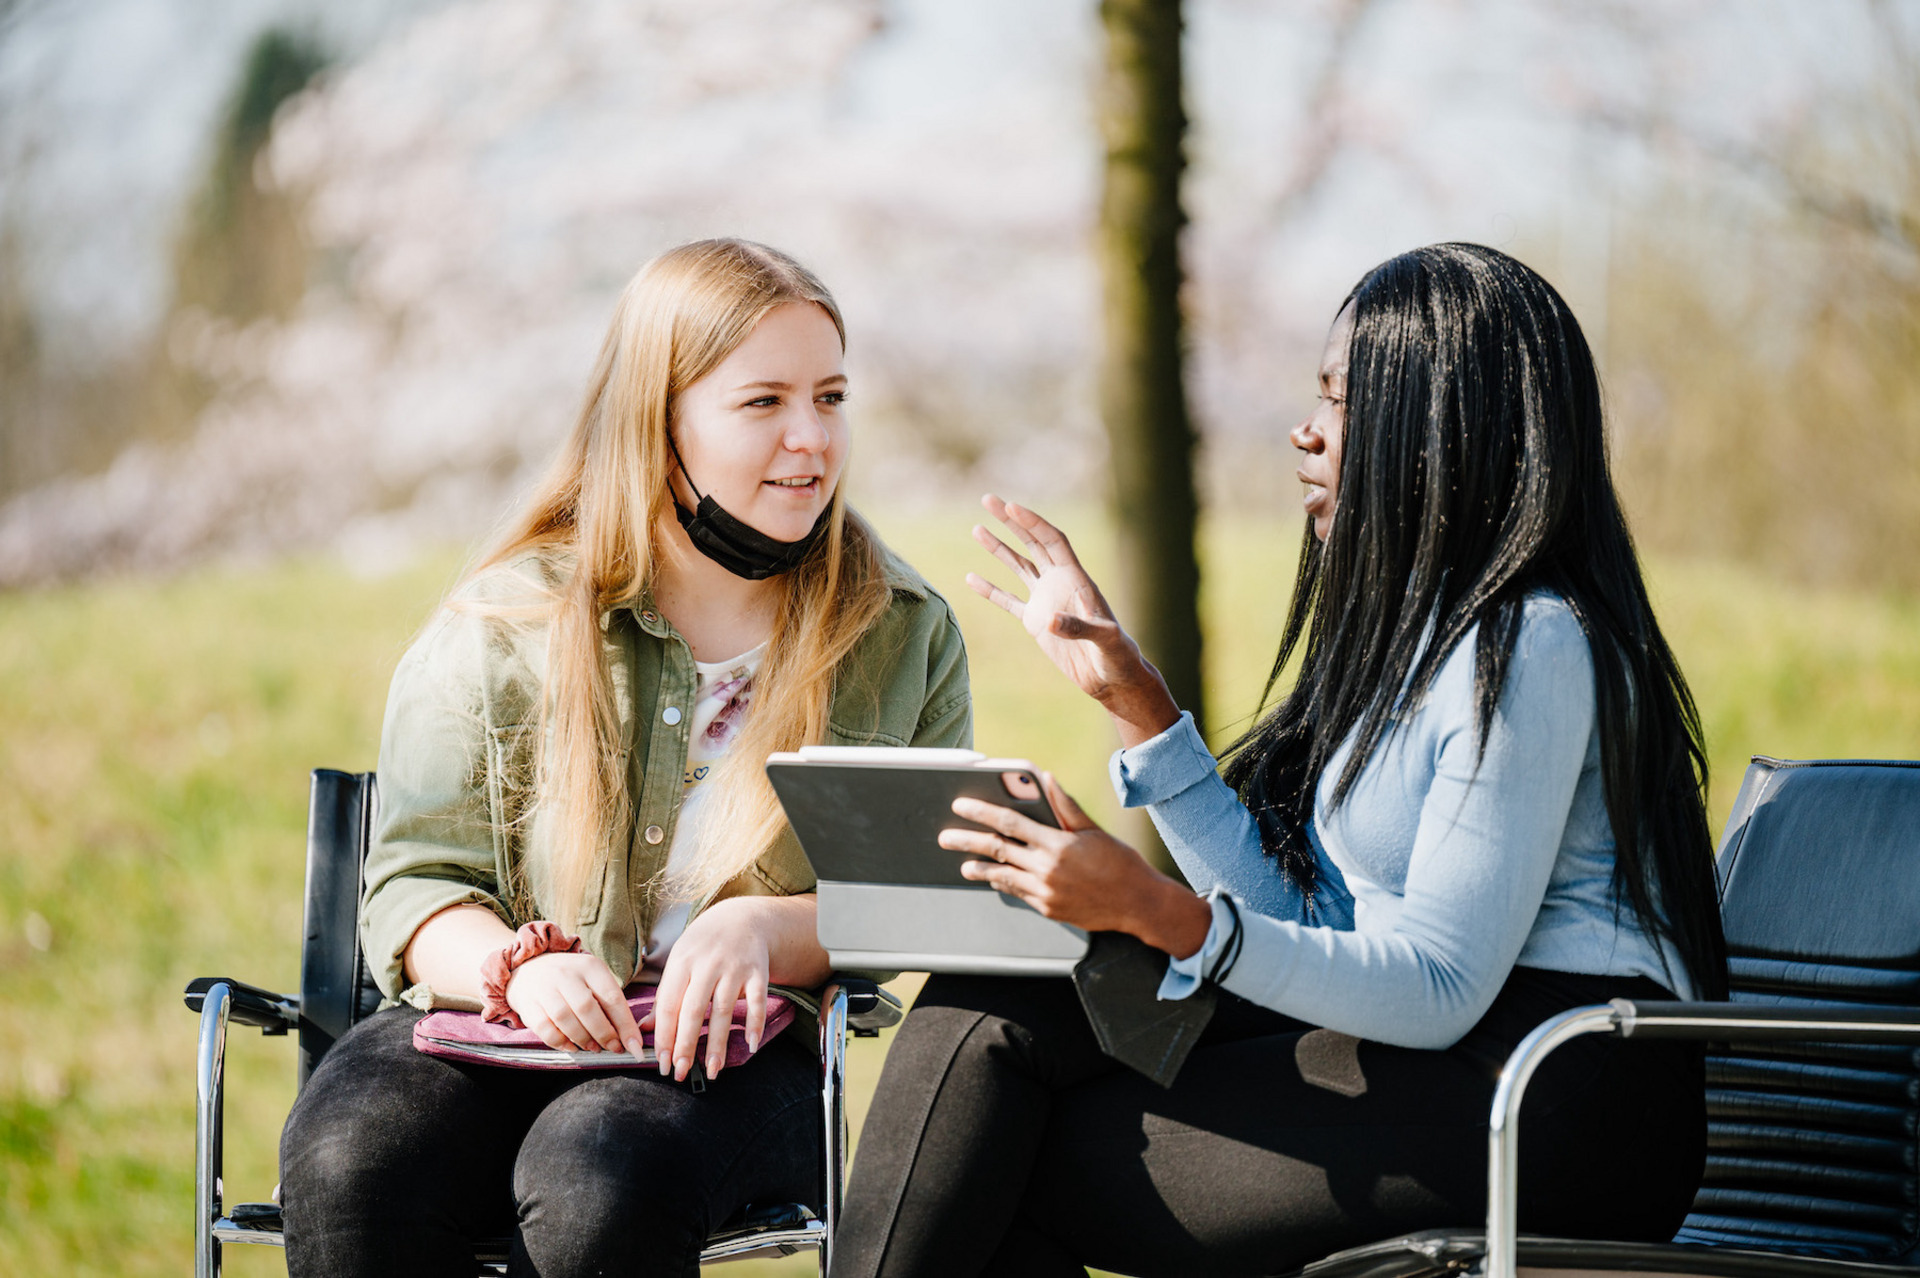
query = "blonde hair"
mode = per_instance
[{"x": 601, "y": 509}]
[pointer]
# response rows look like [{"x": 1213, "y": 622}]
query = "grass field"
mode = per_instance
[{"x": 153, "y": 764}]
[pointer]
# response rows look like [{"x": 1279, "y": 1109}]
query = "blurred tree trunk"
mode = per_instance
[
  {"x": 1143, "y": 393},
  {"x": 1143, "y": 397},
  {"x": 243, "y": 256}
]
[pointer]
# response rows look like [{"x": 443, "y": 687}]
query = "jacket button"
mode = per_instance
[
  {"x": 671, "y": 714},
  {"x": 655, "y": 834},
  {"x": 649, "y": 616}
]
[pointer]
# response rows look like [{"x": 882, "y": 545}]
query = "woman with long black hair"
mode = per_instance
[{"x": 1479, "y": 804}]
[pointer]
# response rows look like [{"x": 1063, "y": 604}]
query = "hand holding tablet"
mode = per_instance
[
  {"x": 892, "y": 896},
  {"x": 911, "y": 845}
]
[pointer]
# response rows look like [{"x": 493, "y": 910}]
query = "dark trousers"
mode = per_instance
[
  {"x": 394, "y": 1162},
  {"x": 1001, "y": 1141}
]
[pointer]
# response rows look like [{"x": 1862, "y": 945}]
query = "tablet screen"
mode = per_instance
[{"x": 868, "y": 823}]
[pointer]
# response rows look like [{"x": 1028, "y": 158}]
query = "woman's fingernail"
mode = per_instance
[{"x": 753, "y": 1042}]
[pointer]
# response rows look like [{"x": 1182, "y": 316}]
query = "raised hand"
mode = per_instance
[{"x": 1072, "y": 623}]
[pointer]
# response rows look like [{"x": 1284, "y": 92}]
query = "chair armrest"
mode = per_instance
[
  {"x": 250, "y": 1005},
  {"x": 870, "y": 1008},
  {"x": 1760, "y": 1023},
  {"x": 1625, "y": 1018}
]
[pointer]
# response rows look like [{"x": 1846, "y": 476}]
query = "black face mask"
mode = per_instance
[{"x": 742, "y": 550}]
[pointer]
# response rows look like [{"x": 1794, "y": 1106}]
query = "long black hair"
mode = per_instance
[{"x": 1473, "y": 472}]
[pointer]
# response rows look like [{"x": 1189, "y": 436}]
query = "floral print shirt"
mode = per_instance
[{"x": 720, "y": 703}]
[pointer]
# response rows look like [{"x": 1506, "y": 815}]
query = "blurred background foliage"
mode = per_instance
[
  {"x": 338, "y": 296},
  {"x": 294, "y": 296},
  {"x": 1765, "y": 339}
]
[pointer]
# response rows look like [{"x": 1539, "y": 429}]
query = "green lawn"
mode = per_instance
[{"x": 153, "y": 785}]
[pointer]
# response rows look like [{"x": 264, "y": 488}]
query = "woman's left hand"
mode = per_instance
[
  {"x": 729, "y": 952},
  {"x": 1077, "y": 874}
]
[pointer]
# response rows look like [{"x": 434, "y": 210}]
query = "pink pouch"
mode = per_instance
[{"x": 463, "y": 1036}]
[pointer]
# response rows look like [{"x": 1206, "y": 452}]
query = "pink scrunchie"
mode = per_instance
[{"x": 531, "y": 941}]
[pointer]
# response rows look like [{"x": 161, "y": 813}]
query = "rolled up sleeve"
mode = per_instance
[
  {"x": 434, "y": 838},
  {"x": 946, "y": 716},
  {"x": 1185, "y": 975},
  {"x": 1207, "y": 829},
  {"x": 1162, "y": 767}
]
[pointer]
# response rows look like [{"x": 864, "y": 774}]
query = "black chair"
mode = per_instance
[
  {"x": 337, "y": 990},
  {"x": 1813, "y": 1068}
]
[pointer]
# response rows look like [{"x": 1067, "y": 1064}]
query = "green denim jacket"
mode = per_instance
[{"x": 462, "y": 720}]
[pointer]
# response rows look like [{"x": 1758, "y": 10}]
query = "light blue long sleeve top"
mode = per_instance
[{"x": 1441, "y": 870}]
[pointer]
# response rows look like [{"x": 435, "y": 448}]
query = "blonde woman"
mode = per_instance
[{"x": 572, "y": 749}]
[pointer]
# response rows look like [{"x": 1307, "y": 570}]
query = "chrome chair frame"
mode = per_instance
[
  {"x": 1739, "y": 1022},
  {"x": 1825, "y": 971},
  {"x": 848, "y": 1005}
]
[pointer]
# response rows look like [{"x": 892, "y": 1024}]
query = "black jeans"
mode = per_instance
[
  {"x": 1002, "y": 1141},
  {"x": 395, "y": 1162}
]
